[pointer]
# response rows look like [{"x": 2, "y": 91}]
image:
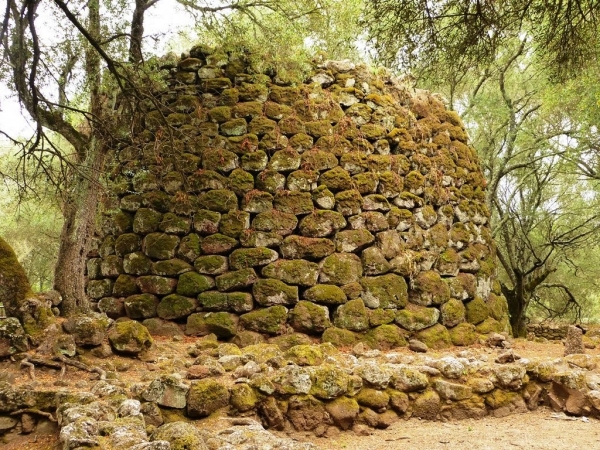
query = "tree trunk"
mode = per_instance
[
  {"x": 79, "y": 210},
  {"x": 516, "y": 309}
]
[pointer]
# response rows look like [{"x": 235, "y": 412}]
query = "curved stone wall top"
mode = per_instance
[{"x": 349, "y": 207}]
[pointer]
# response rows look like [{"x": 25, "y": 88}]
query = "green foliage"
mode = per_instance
[
  {"x": 31, "y": 224},
  {"x": 536, "y": 143},
  {"x": 284, "y": 36},
  {"x": 462, "y": 32}
]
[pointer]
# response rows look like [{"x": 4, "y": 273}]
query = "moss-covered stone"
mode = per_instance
[
  {"x": 136, "y": 264},
  {"x": 218, "y": 244},
  {"x": 251, "y": 257},
  {"x": 322, "y": 223},
  {"x": 205, "y": 397},
  {"x": 351, "y": 240},
  {"x": 435, "y": 337},
  {"x": 285, "y": 160},
  {"x": 352, "y": 316},
  {"x": 252, "y": 238},
  {"x": 144, "y": 181},
  {"x": 491, "y": 325},
  {"x": 268, "y": 320},
  {"x": 127, "y": 243},
  {"x": 12, "y": 337},
  {"x": 112, "y": 307},
  {"x": 297, "y": 272},
  {"x": 305, "y": 355},
  {"x": 275, "y": 221},
  {"x": 111, "y": 266},
  {"x": 248, "y": 110},
  {"x": 348, "y": 202},
  {"x": 385, "y": 337},
  {"x": 240, "y": 181},
  {"x": 341, "y": 269},
  {"x": 256, "y": 201},
  {"x": 306, "y": 317},
  {"x": 463, "y": 334},
  {"x": 222, "y": 324},
  {"x": 294, "y": 202},
  {"x": 124, "y": 286},
  {"x": 97, "y": 289},
  {"x": 237, "y": 279},
  {"x": 318, "y": 128},
  {"x": 206, "y": 222},
  {"x": 477, "y": 311},
  {"x": 146, "y": 221},
  {"x": 131, "y": 202},
  {"x": 269, "y": 292},
  {"x": 220, "y": 114},
  {"x": 234, "y": 223},
  {"x": 157, "y": 200},
  {"x": 289, "y": 340},
  {"x": 386, "y": 291},
  {"x": 302, "y": 180},
  {"x": 428, "y": 288},
  {"x": 374, "y": 262},
  {"x": 160, "y": 245},
  {"x": 381, "y": 316},
  {"x": 340, "y": 337},
  {"x": 243, "y": 397},
  {"x": 141, "y": 306},
  {"x": 235, "y": 127},
  {"x": 170, "y": 267},
  {"x": 299, "y": 247},
  {"x": 319, "y": 160},
  {"x": 191, "y": 284},
  {"x": 328, "y": 294},
  {"x": 174, "y": 224},
  {"x": 453, "y": 313},
  {"x": 129, "y": 337},
  {"x": 255, "y": 161},
  {"x": 154, "y": 284},
  {"x": 180, "y": 436},
  {"x": 497, "y": 306},
  {"x": 219, "y": 200},
  {"x": 328, "y": 382},
  {"x": 211, "y": 264},
  {"x": 175, "y": 306},
  {"x": 270, "y": 180},
  {"x": 213, "y": 301},
  {"x": 336, "y": 179},
  {"x": 343, "y": 411},
  {"x": 204, "y": 180}
]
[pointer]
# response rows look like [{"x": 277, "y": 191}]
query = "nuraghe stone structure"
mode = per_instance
[{"x": 349, "y": 208}]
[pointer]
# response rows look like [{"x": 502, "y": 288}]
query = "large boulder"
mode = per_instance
[{"x": 129, "y": 337}]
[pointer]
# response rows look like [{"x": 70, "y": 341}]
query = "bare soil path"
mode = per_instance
[{"x": 531, "y": 431}]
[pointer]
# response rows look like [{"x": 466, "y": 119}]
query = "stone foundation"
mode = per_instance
[{"x": 306, "y": 388}]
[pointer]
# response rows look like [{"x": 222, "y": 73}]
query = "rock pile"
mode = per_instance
[{"x": 348, "y": 208}]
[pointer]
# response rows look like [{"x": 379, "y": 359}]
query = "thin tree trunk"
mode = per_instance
[
  {"x": 516, "y": 309},
  {"x": 79, "y": 210}
]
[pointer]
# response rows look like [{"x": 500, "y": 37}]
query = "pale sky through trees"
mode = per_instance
[{"x": 168, "y": 27}]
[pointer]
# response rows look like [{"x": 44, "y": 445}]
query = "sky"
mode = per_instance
[{"x": 172, "y": 27}]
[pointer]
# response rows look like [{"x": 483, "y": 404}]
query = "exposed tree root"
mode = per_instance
[
  {"x": 59, "y": 362},
  {"x": 35, "y": 411}
]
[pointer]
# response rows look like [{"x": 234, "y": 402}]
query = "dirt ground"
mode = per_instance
[{"x": 532, "y": 431}]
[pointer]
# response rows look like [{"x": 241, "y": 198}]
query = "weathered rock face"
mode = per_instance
[
  {"x": 244, "y": 202},
  {"x": 14, "y": 285}
]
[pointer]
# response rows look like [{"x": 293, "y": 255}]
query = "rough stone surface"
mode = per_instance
[{"x": 327, "y": 192}]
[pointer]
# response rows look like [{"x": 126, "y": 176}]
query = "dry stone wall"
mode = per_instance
[{"x": 349, "y": 208}]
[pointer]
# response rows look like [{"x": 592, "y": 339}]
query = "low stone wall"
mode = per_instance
[
  {"x": 312, "y": 388},
  {"x": 547, "y": 330}
]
